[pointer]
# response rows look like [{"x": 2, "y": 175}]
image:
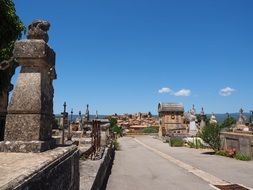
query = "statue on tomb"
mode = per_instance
[
  {"x": 241, "y": 123},
  {"x": 213, "y": 119},
  {"x": 193, "y": 113},
  {"x": 38, "y": 30},
  {"x": 193, "y": 127},
  {"x": 203, "y": 117},
  {"x": 242, "y": 119}
]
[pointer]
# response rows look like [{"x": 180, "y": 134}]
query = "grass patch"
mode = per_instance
[
  {"x": 221, "y": 153},
  {"x": 196, "y": 144},
  {"x": 176, "y": 142},
  {"x": 243, "y": 157},
  {"x": 150, "y": 130},
  {"x": 233, "y": 154}
]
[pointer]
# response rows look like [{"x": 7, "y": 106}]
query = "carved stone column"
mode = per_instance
[{"x": 30, "y": 112}]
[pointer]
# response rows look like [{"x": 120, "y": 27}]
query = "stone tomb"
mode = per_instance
[
  {"x": 171, "y": 119},
  {"x": 30, "y": 112}
]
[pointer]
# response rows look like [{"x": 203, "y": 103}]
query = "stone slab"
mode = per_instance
[
  {"x": 48, "y": 170},
  {"x": 34, "y": 49},
  {"x": 27, "y": 146}
]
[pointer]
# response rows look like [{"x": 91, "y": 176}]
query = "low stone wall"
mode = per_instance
[
  {"x": 241, "y": 142},
  {"x": 51, "y": 170},
  {"x": 104, "y": 170}
]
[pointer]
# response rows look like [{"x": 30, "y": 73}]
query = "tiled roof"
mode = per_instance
[{"x": 164, "y": 107}]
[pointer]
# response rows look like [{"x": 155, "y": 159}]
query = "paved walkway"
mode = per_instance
[{"x": 147, "y": 163}]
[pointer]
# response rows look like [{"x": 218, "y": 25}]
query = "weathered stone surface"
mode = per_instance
[
  {"x": 28, "y": 127},
  {"x": 51, "y": 170},
  {"x": 94, "y": 174},
  {"x": 37, "y": 50},
  {"x": 27, "y": 94},
  {"x": 26, "y": 146},
  {"x": 241, "y": 142},
  {"x": 30, "y": 112}
]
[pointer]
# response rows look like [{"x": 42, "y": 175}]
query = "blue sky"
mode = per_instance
[{"x": 117, "y": 55}]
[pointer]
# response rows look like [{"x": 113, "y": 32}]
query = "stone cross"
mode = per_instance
[{"x": 30, "y": 112}]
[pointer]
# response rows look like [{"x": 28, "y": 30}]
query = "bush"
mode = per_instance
[
  {"x": 150, "y": 130},
  {"x": 228, "y": 122},
  {"x": 243, "y": 157},
  {"x": 176, "y": 142},
  {"x": 113, "y": 122},
  {"x": 117, "y": 129},
  {"x": 211, "y": 135},
  {"x": 116, "y": 145}
]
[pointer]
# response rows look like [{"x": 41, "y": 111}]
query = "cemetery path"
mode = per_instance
[
  {"x": 136, "y": 167},
  {"x": 227, "y": 169},
  {"x": 147, "y": 163}
]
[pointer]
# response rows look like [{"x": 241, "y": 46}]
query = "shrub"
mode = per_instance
[
  {"x": 113, "y": 122},
  {"x": 116, "y": 145},
  {"x": 221, "y": 153},
  {"x": 228, "y": 122},
  {"x": 211, "y": 135},
  {"x": 176, "y": 142},
  {"x": 243, "y": 157},
  {"x": 117, "y": 129},
  {"x": 150, "y": 130}
]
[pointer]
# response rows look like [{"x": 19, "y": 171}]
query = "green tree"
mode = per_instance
[
  {"x": 117, "y": 129},
  {"x": 114, "y": 128},
  {"x": 228, "y": 122},
  {"x": 11, "y": 28},
  {"x": 113, "y": 121},
  {"x": 211, "y": 135}
]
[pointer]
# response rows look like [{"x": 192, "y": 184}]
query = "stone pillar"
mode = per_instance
[{"x": 30, "y": 112}]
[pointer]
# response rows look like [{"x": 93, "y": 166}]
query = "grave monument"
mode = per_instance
[{"x": 30, "y": 112}]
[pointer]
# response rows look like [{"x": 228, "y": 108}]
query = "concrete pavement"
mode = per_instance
[
  {"x": 148, "y": 163},
  {"x": 227, "y": 169},
  {"x": 137, "y": 168}
]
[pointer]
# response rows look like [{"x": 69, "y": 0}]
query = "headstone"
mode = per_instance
[
  {"x": 193, "y": 128},
  {"x": 213, "y": 119},
  {"x": 30, "y": 112},
  {"x": 202, "y": 122}
]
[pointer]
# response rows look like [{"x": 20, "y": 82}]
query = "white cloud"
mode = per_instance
[
  {"x": 226, "y": 91},
  {"x": 165, "y": 90},
  {"x": 183, "y": 92}
]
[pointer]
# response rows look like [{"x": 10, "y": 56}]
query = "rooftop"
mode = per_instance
[{"x": 167, "y": 107}]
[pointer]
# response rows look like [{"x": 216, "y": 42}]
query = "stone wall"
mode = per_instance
[
  {"x": 56, "y": 169},
  {"x": 104, "y": 170},
  {"x": 241, "y": 142}
]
